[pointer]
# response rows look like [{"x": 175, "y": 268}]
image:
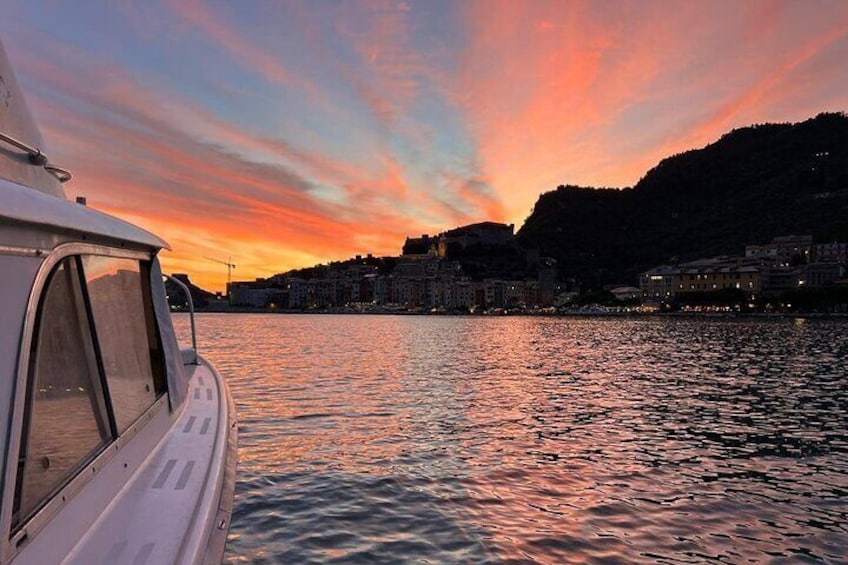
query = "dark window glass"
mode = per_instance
[
  {"x": 65, "y": 422},
  {"x": 116, "y": 293},
  {"x": 157, "y": 357}
]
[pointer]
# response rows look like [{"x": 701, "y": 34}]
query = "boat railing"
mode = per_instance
[
  {"x": 37, "y": 157},
  {"x": 187, "y": 292}
]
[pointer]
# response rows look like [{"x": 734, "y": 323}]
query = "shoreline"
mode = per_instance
[{"x": 575, "y": 314}]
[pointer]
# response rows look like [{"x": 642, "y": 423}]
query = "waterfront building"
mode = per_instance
[
  {"x": 416, "y": 266},
  {"x": 547, "y": 282},
  {"x": 248, "y": 293},
  {"x": 786, "y": 249},
  {"x": 706, "y": 279},
  {"x": 494, "y": 293},
  {"x": 623, "y": 293},
  {"x": 833, "y": 252},
  {"x": 658, "y": 284},
  {"x": 532, "y": 294},
  {"x": 382, "y": 289},
  {"x": 298, "y": 293},
  {"x": 780, "y": 278},
  {"x": 462, "y": 295},
  {"x": 820, "y": 274},
  {"x": 665, "y": 282},
  {"x": 514, "y": 294}
]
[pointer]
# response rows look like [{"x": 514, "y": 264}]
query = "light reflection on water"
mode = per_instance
[{"x": 399, "y": 439}]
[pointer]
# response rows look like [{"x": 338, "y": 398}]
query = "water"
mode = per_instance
[{"x": 399, "y": 439}]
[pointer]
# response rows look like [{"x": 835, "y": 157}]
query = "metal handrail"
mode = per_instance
[
  {"x": 37, "y": 157},
  {"x": 185, "y": 289}
]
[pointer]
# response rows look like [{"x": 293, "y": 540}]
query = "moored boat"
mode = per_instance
[{"x": 118, "y": 445}]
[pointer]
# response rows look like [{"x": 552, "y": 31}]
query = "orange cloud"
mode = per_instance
[
  {"x": 596, "y": 94},
  {"x": 386, "y": 125},
  {"x": 212, "y": 199},
  {"x": 746, "y": 102}
]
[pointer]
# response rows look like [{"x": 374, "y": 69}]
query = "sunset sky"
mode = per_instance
[{"x": 285, "y": 134}]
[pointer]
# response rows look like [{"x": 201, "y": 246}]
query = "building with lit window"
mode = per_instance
[
  {"x": 658, "y": 284},
  {"x": 665, "y": 282},
  {"x": 784, "y": 249}
]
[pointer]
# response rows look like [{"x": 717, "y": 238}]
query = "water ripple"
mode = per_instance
[{"x": 379, "y": 439}]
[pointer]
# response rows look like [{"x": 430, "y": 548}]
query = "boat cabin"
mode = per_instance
[{"x": 117, "y": 446}]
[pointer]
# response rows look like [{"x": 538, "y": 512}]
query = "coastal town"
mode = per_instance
[{"x": 482, "y": 268}]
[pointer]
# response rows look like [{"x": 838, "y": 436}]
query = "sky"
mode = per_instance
[{"x": 286, "y": 134}]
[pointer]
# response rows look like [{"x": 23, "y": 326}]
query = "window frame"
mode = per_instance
[
  {"x": 13, "y": 540},
  {"x": 105, "y": 427},
  {"x": 158, "y": 379}
]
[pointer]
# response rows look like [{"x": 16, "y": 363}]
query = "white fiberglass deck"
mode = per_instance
[{"x": 157, "y": 517}]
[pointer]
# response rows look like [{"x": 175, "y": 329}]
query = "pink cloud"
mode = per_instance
[
  {"x": 537, "y": 94},
  {"x": 595, "y": 94},
  {"x": 133, "y": 160},
  {"x": 243, "y": 50}
]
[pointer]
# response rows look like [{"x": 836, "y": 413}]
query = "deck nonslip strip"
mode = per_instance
[
  {"x": 184, "y": 476},
  {"x": 163, "y": 475},
  {"x": 189, "y": 424}
]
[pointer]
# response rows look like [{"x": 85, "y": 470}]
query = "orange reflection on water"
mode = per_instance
[{"x": 368, "y": 438}]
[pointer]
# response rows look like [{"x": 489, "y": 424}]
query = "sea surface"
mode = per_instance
[{"x": 410, "y": 439}]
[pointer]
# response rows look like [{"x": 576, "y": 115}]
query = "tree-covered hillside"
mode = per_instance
[{"x": 749, "y": 186}]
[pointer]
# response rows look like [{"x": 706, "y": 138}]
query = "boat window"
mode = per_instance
[
  {"x": 126, "y": 335},
  {"x": 157, "y": 355},
  {"x": 65, "y": 418}
]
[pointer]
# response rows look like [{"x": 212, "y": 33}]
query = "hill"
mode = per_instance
[
  {"x": 382, "y": 265},
  {"x": 177, "y": 297},
  {"x": 752, "y": 184}
]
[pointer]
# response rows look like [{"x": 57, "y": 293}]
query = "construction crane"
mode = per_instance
[{"x": 228, "y": 263}]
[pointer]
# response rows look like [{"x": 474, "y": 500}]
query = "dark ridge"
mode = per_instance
[
  {"x": 177, "y": 297},
  {"x": 384, "y": 266},
  {"x": 751, "y": 185}
]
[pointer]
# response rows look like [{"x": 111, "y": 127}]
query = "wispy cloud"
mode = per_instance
[
  {"x": 238, "y": 44},
  {"x": 131, "y": 157},
  {"x": 286, "y": 135}
]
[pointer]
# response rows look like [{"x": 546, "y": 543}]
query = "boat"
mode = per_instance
[{"x": 118, "y": 444}]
